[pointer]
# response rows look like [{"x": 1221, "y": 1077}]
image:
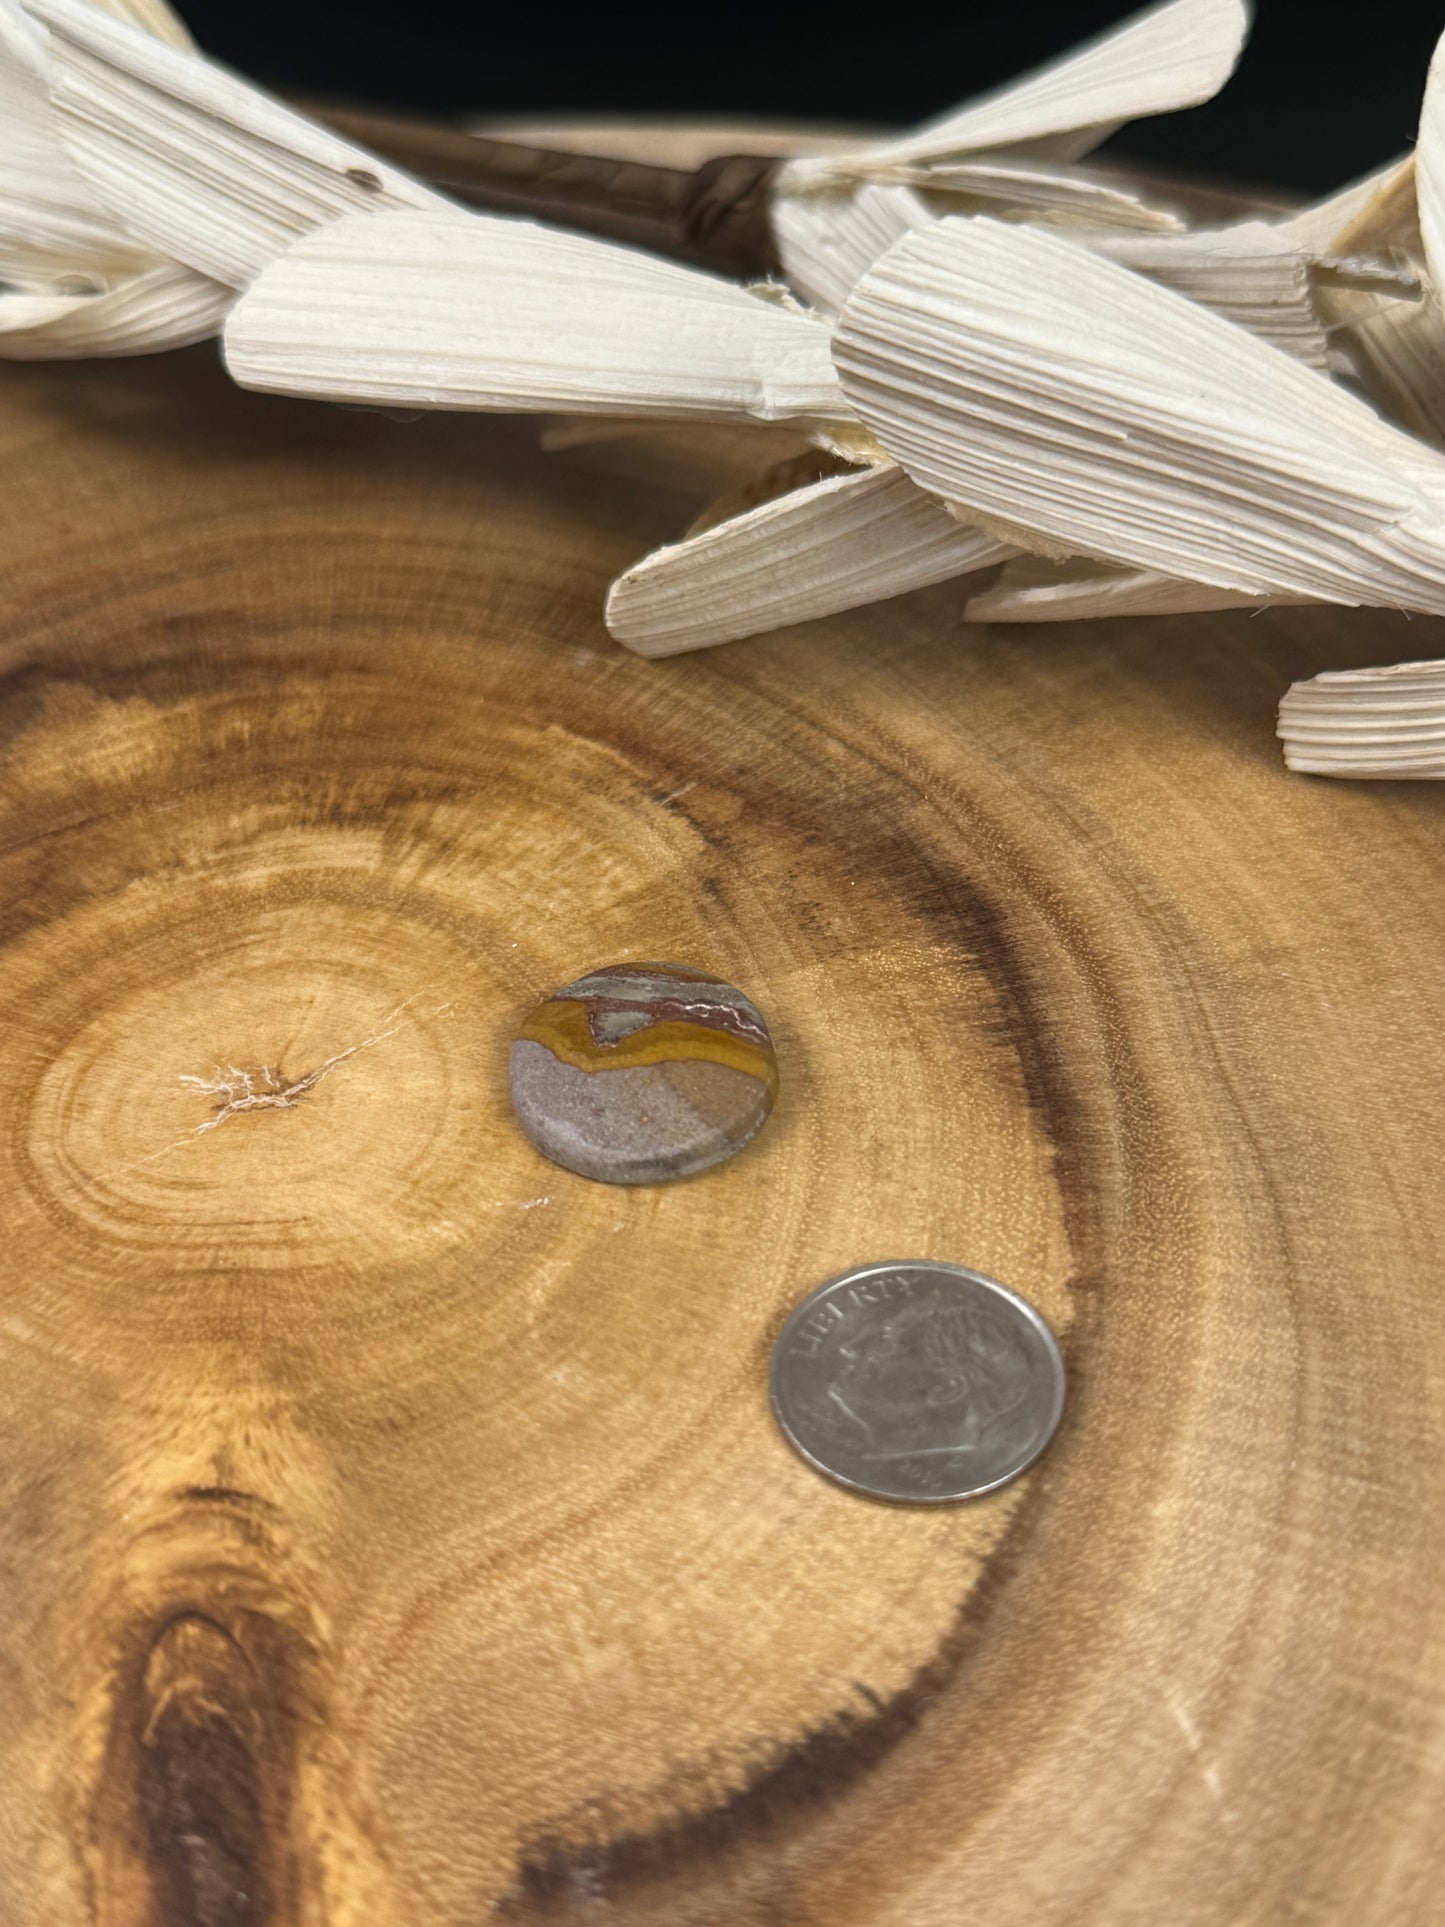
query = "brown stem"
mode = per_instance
[{"x": 714, "y": 216}]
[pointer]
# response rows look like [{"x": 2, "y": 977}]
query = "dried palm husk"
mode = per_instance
[
  {"x": 1268, "y": 276},
  {"x": 834, "y": 216},
  {"x": 1035, "y": 383},
  {"x": 1158, "y": 61},
  {"x": 141, "y": 312},
  {"x": 828, "y": 242},
  {"x": 449, "y": 309},
  {"x": 366, "y": 286},
  {"x": 1032, "y": 588},
  {"x": 1034, "y": 395},
  {"x": 1007, "y": 153},
  {"x": 1260, "y": 274},
  {"x": 50, "y": 219},
  {"x": 155, "y": 17},
  {"x": 1389, "y": 722},
  {"x": 1362, "y": 240},
  {"x": 1038, "y": 190},
  {"x": 1430, "y": 168},
  {"x": 1398, "y": 351},
  {"x": 1395, "y": 348},
  {"x": 1248, "y": 273},
  {"x": 73, "y": 281},
  {"x": 833, "y": 544},
  {"x": 1377, "y": 211},
  {"x": 1368, "y": 722},
  {"x": 196, "y": 164}
]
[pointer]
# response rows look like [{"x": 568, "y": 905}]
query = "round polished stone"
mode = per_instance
[{"x": 641, "y": 1072}]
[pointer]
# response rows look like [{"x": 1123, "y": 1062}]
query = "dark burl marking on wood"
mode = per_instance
[{"x": 195, "y": 1808}]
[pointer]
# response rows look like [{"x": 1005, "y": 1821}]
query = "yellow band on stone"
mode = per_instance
[{"x": 561, "y": 1025}]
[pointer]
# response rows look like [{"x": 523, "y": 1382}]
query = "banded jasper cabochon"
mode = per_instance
[{"x": 642, "y": 1072}]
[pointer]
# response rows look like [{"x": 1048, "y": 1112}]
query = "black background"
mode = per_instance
[{"x": 1325, "y": 91}]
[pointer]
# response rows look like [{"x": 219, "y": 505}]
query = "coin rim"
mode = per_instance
[{"x": 1031, "y": 1314}]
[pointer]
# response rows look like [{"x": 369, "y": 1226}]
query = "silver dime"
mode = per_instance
[{"x": 919, "y": 1382}]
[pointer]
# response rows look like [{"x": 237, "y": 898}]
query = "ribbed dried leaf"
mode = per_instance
[
  {"x": 828, "y": 242},
  {"x": 836, "y": 544},
  {"x": 156, "y": 308},
  {"x": 1033, "y": 589},
  {"x": 154, "y": 17},
  {"x": 1430, "y": 169},
  {"x": 1044, "y": 190},
  {"x": 1398, "y": 349},
  {"x": 1263, "y": 275},
  {"x": 198, "y": 165},
  {"x": 1162, "y": 59},
  {"x": 1028, "y": 379},
  {"x": 1367, "y": 722},
  {"x": 78, "y": 284},
  {"x": 51, "y": 221},
  {"x": 1246, "y": 273},
  {"x": 1374, "y": 213},
  {"x": 457, "y": 310},
  {"x": 1395, "y": 348}
]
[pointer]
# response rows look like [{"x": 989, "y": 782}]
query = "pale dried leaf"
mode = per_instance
[
  {"x": 197, "y": 164},
  {"x": 50, "y": 216},
  {"x": 154, "y": 17},
  {"x": 1367, "y": 722},
  {"x": 1389, "y": 278},
  {"x": 78, "y": 284},
  {"x": 836, "y": 544},
  {"x": 827, "y": 242},
  {"x": 51, "y": 221},
  {"x": 1394, "y": 347},
  {"x": 156, "y": 308},
  {"x": 1245, "y": 273},
  {"x": 1045, "y": 191},
  {"x": 1251, "y": 273},
  {"x": 1430, "y": 168},
  {"x": 1398, "y": 350},
  {"x": 1027, "y": 378},
  {"x": 1033, "y": 589},
  {"x": 457, "y": 310},
  {"x": 1372, "y": 214},
  {"x": 1163, "y": 59},
  {"x": 828, "y": 239}
]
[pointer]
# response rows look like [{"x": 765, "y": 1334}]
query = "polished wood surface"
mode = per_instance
[{"x": 395, "y": 1530}]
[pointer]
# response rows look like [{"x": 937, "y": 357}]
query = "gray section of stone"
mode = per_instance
[{"x": 632, "y": 1126}]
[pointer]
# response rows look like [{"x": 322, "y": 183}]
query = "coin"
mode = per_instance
[{"x": 919, "y": 1382}]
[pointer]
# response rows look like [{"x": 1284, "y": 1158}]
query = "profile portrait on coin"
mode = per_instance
[{"x": 956, "y": 1364}]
